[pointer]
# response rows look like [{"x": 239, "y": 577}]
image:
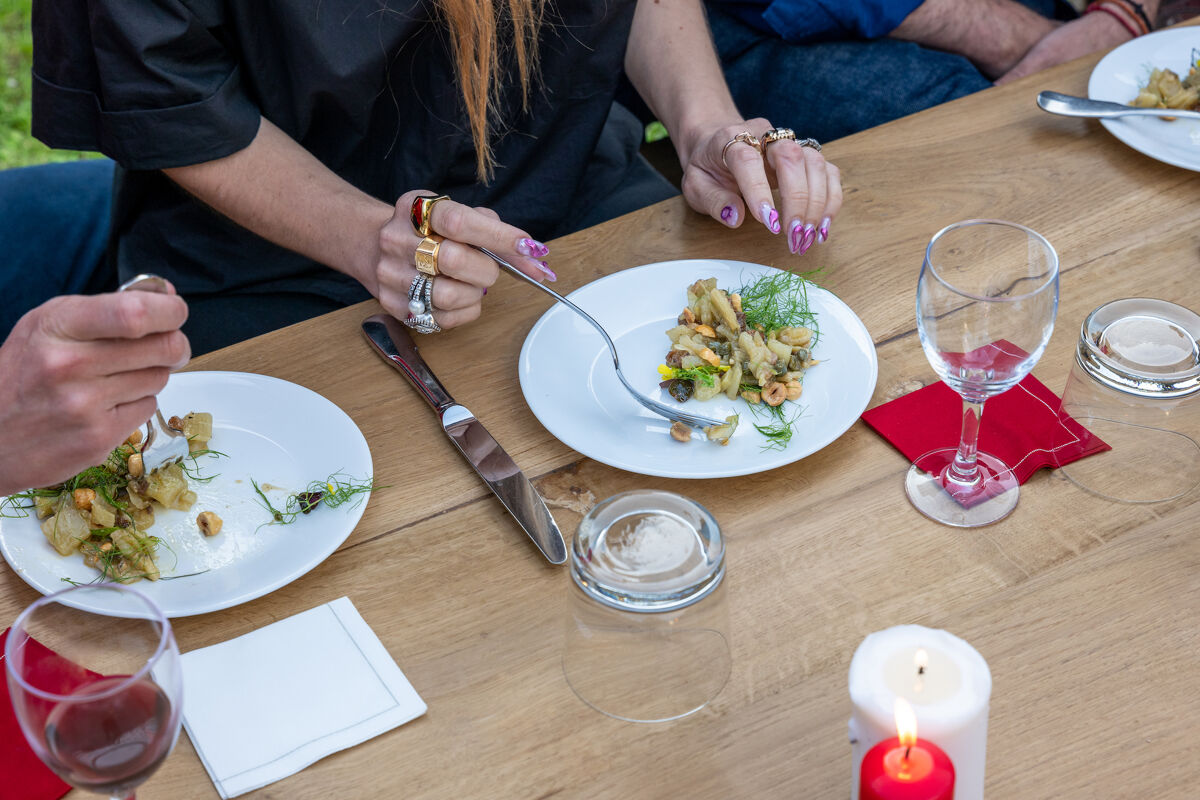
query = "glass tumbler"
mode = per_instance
[
  {"x": 645, "y": 637},
  {"x": 1134, "y": 383}
]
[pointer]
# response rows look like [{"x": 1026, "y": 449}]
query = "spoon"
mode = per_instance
[
  {"x": 673, "y": 414},
  {"x": 1071, "y": 106},
  {"x": 162, "y": 444}
]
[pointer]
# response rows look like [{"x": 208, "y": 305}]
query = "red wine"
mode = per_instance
[{"x": 114, "y": 743}]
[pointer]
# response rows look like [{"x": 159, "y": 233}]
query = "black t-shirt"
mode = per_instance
[{"x": 365, "y": 86}]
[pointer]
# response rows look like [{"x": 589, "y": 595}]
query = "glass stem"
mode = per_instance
[{"x": 964, "y": 471}]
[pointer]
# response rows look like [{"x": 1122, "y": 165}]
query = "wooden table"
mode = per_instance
[{"x": 1087, "y": 611}]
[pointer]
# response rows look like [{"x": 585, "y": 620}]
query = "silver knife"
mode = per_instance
[{"x": 392, "y": 341}]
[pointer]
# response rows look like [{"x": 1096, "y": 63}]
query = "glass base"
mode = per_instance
[{"x": 989, "y": 500}]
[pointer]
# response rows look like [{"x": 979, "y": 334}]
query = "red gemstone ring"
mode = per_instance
[{"x": 422, "y": 208}]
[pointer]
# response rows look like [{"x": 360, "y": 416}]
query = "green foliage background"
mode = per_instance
[{"x": 17, "y": 147}]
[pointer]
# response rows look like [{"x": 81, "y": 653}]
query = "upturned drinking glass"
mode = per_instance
[
  {"x": 99, "y": 698},
  {"x": 645, "y": 637},
  {"x": 986, "y": 303}
]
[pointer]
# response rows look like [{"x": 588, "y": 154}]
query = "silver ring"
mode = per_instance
[
  {"x": 423, "y": 323},
  {"x": 417, "y": 305},
  {"x": 427, "y": 294},
  {"x": 810, "y": 142}
]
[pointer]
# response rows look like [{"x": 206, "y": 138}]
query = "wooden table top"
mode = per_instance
[{"x": 1086, "y": 610}]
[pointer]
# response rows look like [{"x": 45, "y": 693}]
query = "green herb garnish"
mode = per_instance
[
  {"x": 704, "y": 374},
  {"x": 778, "y": 433},
  {"x": 779, "y": 300},
  {"x": 336, "y": 490}
]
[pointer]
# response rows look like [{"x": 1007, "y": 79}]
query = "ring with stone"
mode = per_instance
[
  {"x": 419, "y": 297},
  {"x": 776, "y": 134},
  {"x": 809, "y": 142}
]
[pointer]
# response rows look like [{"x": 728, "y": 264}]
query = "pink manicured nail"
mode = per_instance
[
  {"x": 544, "y": 267},
  {"x": 795, "y": 235},
  {"x": 532, "y": 248},
  {"x": 823, "y": 232},
  {"x": 729, "y": 216},
  {"x": 769, "y": 216},
  {"x": 807, "y": 238}
]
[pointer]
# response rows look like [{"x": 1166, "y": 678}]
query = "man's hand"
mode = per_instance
[
  {"x": 1077, "y": 38},
  {"x": 79, "y": 375}
]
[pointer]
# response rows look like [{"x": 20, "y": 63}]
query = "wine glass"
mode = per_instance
[
  {"x": 98, "y": 698},
  {"x": 986, "y": 302}
]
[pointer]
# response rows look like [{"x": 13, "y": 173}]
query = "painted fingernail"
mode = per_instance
[
  {"x": 769, "y": 217},
  {"x": 729, "y": 216},
  {"x": 823, "y": 231},
  {"x": 485, "y": 290},
  {"x": 544, "y": 267},
  {"x": 807, "y": 238},
  {"x": 532, "y": 248},
  {"x": 795, "y": 235}
]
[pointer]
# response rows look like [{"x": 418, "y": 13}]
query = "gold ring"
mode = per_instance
[
  {"x": 421, "y": 213},
  {"x": 746, "y": 138},
  {"x": 776, "y": 134},
  {"x": 427, "y": 255}
]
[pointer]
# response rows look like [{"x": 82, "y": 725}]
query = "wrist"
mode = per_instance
[{"x": 695, "y": 132}]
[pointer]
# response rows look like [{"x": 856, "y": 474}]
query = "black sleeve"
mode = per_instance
[{"x": 150, "y": 83}]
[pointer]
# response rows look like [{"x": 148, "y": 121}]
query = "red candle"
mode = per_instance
[{"x": 906, "y": 768}]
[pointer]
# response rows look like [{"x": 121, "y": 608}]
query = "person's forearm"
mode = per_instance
[
  {"x": 277, "y": 189},
  {"x": 672, "y": 64},
  {"x": 992, "y": 34}
]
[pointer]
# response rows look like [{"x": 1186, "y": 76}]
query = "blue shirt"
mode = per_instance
[{"x": 820, "y": 20}]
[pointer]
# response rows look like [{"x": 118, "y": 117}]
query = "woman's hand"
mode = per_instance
[
  {"x": 810, "y": 188},
  {"x": 81, "y": 374},
  {"x": 464, "y": 273}
]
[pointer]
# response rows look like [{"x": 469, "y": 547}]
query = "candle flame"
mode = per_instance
[
  {"x": 906, "y": 723},
  {"x": 921, "y": 660}
]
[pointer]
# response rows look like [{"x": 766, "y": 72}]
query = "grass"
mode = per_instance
[{"x": 18, "y": 148}]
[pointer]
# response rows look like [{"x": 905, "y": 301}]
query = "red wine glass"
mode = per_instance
[{"x": 98, "y": 697}]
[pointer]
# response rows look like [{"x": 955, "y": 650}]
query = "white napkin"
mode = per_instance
[{"x": 267, "y": 704}]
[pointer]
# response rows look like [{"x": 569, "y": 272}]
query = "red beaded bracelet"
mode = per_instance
[{"x": 1126, "y": 24}]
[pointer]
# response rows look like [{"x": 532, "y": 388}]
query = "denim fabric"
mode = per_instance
[
  {"x": 53, "y": 234},
  {"x": 831, "y": 89},
  {"x": 816, "y": 20}
]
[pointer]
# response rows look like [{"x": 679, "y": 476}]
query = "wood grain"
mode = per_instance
[{"x": 1086, "y": 610}]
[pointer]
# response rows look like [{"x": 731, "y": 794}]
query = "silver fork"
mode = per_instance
[
  {"x": 674, "y": 414},
  {"x": 162, "y": 443},
  {"x": 1071, "y": 106}
]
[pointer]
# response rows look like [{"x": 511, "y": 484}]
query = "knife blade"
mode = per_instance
[{"x": 391, "y": 340}]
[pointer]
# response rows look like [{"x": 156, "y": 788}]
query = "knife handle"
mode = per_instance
[{"x": 392, "y": 341}]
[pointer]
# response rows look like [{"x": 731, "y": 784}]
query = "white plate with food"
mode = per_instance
[
  {"x": 274, "y": 433},
  {"x": 1123, "y": 73},
  {"x": 568, "y": 381}
]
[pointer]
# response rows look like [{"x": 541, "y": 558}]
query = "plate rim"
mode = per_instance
[
  {"x": 638, "y": 469},
  {"x": 331, "y": 544},
  {"x": 1117, "y": 128}
]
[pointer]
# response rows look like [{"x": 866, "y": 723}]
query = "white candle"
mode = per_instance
[{"x": 946, "y": 681}]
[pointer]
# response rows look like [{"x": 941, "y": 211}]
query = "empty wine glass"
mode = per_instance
[
  {"x": 98, "y": 698},
  {"x": 986, "y": 302}
]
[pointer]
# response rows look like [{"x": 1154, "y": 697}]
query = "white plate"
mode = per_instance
[
  {"x": 273, "y": 431},
  {"x": 568, "y": 379},
  {"x": 1122, "y": 72}
]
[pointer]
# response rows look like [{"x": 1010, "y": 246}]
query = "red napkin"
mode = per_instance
[
  {"x": 1024, "y": 427},
  {"x": 23, "y": 776}
]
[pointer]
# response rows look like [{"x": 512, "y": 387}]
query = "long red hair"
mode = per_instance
[{"x": 475, "y": 28}]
